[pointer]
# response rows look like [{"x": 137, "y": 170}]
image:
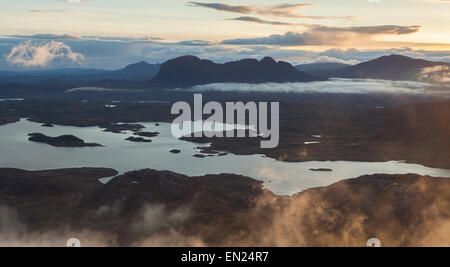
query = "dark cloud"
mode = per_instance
[
  {"x": 281, "y": 10},
  {"x": 323, "y": 35},
  {"x": 382, "y": 29},
  {"x": 224, "y": 7},
  {"x": 261, "y": 21}
]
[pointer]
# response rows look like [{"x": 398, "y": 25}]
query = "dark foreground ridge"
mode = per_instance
[
  {"x": 60, "y": 141},
  {"x": 161, "y": 208}
]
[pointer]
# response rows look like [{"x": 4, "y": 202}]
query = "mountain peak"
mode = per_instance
[
  {"x": 268, "y": 60},
  {"x": 389, "y": 67},
  {"x": 137, "y": 66},
  {"x": 187, "y": 58},
  {"x": 398, "y": 61}
]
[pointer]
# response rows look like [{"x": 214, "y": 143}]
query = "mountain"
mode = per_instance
[
  {"x": 321, "y": 66},
  {"x": 191, "y": 70},
  {"x": 141, "y": 71},
  {"x": 393, "y": 67},
  {"x": 321, "y": 69}
]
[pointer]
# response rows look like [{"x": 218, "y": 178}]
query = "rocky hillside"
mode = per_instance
[{"x": 149, "y": 207}]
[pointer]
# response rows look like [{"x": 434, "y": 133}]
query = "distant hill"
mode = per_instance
[
  {"x": 393, "y": 67},
  {"x": 321, "y": 69},
  {"x": 67, "y": 71},
  {"x": 141, "y": 71},
  {"x": 192, "y": 70}
]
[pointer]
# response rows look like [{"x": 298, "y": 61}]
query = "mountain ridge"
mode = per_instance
[
  {"x": 391, "y": 67},
  {"x": 193, "y": 70}
]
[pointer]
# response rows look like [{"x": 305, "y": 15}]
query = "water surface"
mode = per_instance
[{"x": 280, "y": 177}]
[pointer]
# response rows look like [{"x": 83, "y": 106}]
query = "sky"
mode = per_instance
[{"x": 109, "y": 34}]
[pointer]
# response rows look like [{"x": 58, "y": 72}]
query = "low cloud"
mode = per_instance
[
  {"x": 334, "y": 86},
  {"x": 327, "y": 59},
  {"x": 347, "y": 213},
  {"x": 29, "y": 54},
  {"x": 156, "y": 218},
  {"x": 436, "y": 74}
]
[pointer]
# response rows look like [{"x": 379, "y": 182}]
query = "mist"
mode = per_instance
[
  {"x": 333, "y": 86},
  {"x": 340, "y": 215}
]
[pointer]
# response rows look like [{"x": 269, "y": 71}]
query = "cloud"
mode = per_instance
[
  {"x": 261, "y": 21},
  {"x": 328, "y": 59},
  {"x": 287, "y": 39},
  {"x": 436, "y": 74},
  {"x": 45, "y": 10},
  {"x": 334, "y": 86},
  {"x": 381, "y": 29},
  {"x": 154, "y": 218},
  {"x": 281, "y": 10},
  {"x": 324, "y": 35},
  {"x": 29, "y": 54},
  {"x": 122, "y": 38},
  {"x": 193, "y": 43},
  {"x": 48, "y": 36},
  {"x": 224, "y": 7}
]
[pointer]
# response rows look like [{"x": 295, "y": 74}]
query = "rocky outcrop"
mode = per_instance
[
  {"x": 60, "y": 141},
  {"x": 138, "y": 139}
]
